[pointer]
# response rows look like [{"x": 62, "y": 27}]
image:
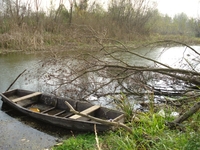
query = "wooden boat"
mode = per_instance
[{"x": 53, "y": 110}]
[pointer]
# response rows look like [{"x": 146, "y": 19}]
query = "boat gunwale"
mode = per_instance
[{"x": 29, "y": 112}]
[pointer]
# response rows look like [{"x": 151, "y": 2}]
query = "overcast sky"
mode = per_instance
[{"x": 171, "y": 7}]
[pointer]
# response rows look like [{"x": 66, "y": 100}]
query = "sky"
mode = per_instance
[{"x": 172, "y": 7}]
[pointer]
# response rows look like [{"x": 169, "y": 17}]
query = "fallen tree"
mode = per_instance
[
  {"x": 93, "y": 72},
  {"x": 109, "y": 70}
]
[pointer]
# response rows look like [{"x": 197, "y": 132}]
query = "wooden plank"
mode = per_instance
[
  {"x": 119, "y": 118},
  {"x": 61, "y": 112},
  {"x": 26, "y": 97},
  {"x": 26, "y": 103},
  {"x": 86, "y": 112},
  {"x": 68, "y": 115},
  {"x": 45, "y": 111}
]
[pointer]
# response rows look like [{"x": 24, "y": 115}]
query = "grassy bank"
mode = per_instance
[
  {"x": 75, "y": 37},
  {"x": 149, "y": 132}
]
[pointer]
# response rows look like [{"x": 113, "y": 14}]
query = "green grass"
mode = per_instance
[
  {"x": 149, "y": 133},
  {"x": 80, "y": 142}
]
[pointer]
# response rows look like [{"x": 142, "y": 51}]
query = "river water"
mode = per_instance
[
  {"x": 19, "y": 132},
  {"x": 16, "y": 134}
]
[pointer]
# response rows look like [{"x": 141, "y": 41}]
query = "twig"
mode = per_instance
[
  {"x": 15, "y": 80},
  {"x": 96, "y": 137},
  {"x": 116, "y": 124}
]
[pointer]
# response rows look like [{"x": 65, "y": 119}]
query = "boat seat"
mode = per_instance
[
  {"x": 26, "y": 97},
  {"x": 68, "y": 115},
  {"x": 49, "y": 109},
  {"x": 59, "y": 113},
  {"x": 86, "y": 112}
]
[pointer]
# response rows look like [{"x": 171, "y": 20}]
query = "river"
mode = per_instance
[
  {"x": 20, "y": 132},
  {"x": 16, "y": 134}
]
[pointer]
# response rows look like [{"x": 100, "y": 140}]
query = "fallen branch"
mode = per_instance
[
  {"x": 189, "y": 113},
  {"x": 185, "y": 116},
  {"x": 116, "y": 124},
  {"x": 15, "y": 80},
  {"x": 96, "y": 137}
]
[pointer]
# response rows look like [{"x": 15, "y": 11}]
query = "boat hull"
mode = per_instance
[{"x": 53, "y": 110}]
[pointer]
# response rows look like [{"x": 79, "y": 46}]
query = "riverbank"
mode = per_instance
[
  {"x": 149, "y": 132},
  {"x": 46, "y": 42}
]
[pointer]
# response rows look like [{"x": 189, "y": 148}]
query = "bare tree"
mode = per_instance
[
  {"x": 105, "y": 72},
  {"x": 131, "y": 16},
  {"x": 15, "y": 10},
  {"x": 37, "y": 4},
  {"x": 71, "y": 10}
]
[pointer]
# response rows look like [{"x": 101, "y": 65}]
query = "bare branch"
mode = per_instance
[{"x": 116, "y": 124}]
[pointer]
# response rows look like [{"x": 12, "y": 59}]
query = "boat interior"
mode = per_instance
[{"x": 56, "y": 107}]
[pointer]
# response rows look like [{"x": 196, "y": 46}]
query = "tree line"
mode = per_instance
[{"x": 123, "y": 20}]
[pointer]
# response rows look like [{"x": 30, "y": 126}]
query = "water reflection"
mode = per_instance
[
  {"x": 11, "y": 65},
  {"x": 180, "y": 57}
]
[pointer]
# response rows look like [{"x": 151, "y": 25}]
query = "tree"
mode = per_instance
[
  {"x": 163, "y": 25},
  {"x": 106, "y": 72},
  {"x": 196, "y": 27},
  {"x": 62, "y": 13},
  {"x": 180, "y": 23},
  {"x": 71, "y": 10},
  {"x": 15, "y": 10},
  {"x": 131, "y": 16}
]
